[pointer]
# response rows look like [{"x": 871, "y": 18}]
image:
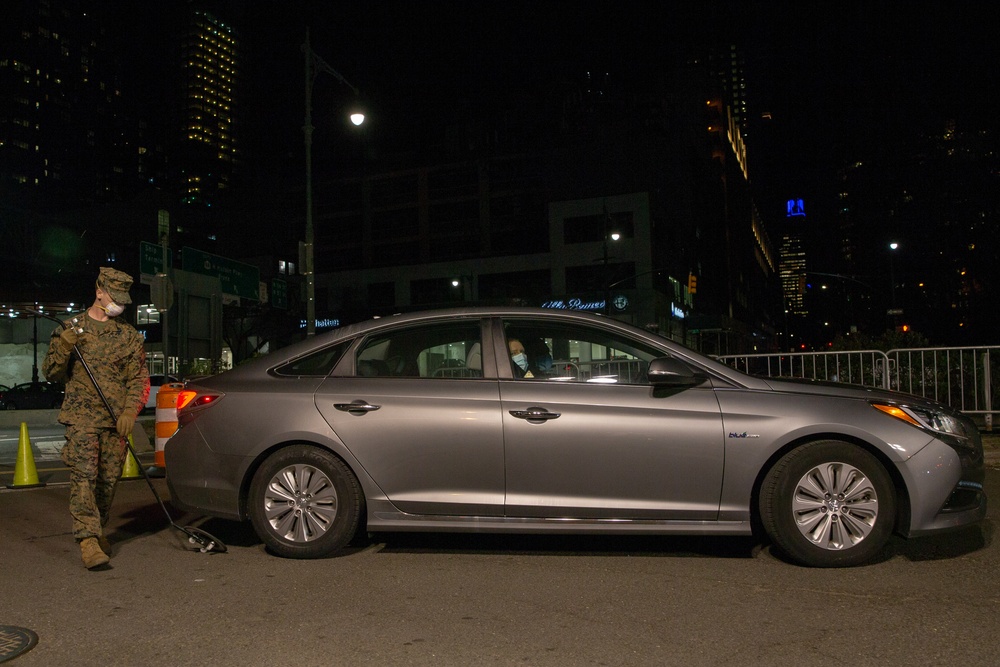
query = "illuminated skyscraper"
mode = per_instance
[
  {"x": 792, "y": 259},
  {"x": 210, "y": 72}
]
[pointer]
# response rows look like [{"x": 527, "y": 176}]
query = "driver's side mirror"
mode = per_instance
[{"x": 670, "y": 372}]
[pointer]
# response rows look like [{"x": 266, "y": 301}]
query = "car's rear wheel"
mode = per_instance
[
  {"x": 828, "y": 504},
  {"x": 305, "y": 502}
]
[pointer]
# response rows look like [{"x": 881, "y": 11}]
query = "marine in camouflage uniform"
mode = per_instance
[{"x": 95, "y": 444}]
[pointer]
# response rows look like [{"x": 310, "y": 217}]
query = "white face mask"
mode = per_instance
[
  {"x": 521, "y": 360},
  {"x": 113, "y": 309}
]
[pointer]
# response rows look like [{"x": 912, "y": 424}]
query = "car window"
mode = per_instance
[
  {"x": 577, "y": 353},
  {"x": 318, "y": 363},
  {"x": 448, "y": 350}
]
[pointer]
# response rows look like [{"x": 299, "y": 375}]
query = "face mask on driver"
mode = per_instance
[{"x": 521, "y": 360}]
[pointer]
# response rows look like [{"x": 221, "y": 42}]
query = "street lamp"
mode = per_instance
[
  {"x": 607, "y": 234},
  {"x": 315, "y": 65}
]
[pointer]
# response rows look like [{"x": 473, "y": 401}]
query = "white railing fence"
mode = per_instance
[{"x": 962, "y": 377}]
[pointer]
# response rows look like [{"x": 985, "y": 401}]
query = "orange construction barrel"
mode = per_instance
[{"x": 166, "y": 419}]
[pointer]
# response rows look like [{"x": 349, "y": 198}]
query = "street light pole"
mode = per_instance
[
  {"x": 314, "y": 65},
  {"x": 892, "y": 271},
  {"x": 614, "y": 236}
]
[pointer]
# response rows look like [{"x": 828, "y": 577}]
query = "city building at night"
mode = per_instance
[
  {"x": 209, "y": 143},
  {"x": 613, "y": 218}
]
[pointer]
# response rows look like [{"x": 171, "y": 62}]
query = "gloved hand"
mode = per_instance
[
  {"x": 125, "y": 424},
  {"x": 67, "y": 339}
]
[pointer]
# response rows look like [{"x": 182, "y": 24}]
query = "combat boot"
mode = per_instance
[
  {"x": 92, "y": 555},
  {"x": 104, "y": 544}
]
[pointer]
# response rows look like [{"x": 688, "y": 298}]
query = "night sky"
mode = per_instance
[{"x": 838, "y": 78}]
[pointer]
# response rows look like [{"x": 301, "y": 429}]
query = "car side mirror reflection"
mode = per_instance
[{"x": 670, "y": 372}]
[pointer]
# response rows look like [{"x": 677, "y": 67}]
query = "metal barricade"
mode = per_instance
[
  {"x": 864, "y": 367},
  {"x": 961, "y": 377}
]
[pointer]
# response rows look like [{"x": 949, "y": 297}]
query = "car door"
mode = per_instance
[
  {"x": 417, "y": 412},
  {"x": 591, "y": 439}
]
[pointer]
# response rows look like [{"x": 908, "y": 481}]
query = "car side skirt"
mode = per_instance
[{"x": 383, "y": 517}]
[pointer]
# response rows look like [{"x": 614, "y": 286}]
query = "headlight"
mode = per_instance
[{"x": 936, "y": 421}]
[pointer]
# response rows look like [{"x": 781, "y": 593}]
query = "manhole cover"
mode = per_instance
[{"x": 14, "y": 641}]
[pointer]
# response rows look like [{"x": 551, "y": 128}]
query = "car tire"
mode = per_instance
[
  {"x": 305, "y": 502},
  {"x": 828, "y": 504},
  {"x": 10, "y": 406}
]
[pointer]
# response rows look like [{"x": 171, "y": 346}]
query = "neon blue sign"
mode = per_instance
[{"x": 574, "y": 304}]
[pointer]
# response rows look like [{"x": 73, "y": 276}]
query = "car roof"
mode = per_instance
[{"x": 350, "y": 331}]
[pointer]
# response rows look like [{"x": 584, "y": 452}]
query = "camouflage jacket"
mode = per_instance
[{"x": 116, "y": 354}]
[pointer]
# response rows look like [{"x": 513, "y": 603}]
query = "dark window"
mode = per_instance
[
  {"x": 395, "y": 223},
  {"x": 598, "y": 277},
  {"x": 314, "y": 364},
  {"x": 433, "y": 291},
  {"x": 448, "y": 350},
  {"x": 592, "y": 228},
  {"x": 532, "y": 287},
  {"x": 382, "y": 295}
]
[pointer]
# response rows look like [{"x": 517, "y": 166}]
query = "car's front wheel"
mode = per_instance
[
  {"x": 305, "y": 502},
  {"x": 828, "y": 504}
]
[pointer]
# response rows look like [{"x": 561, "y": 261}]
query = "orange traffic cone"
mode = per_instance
[
  {"x": 25, "y": 474},
  {"x": 130, "y": 469}
]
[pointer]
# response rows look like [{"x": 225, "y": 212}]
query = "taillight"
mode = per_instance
[{"x": 189, "y": 399}]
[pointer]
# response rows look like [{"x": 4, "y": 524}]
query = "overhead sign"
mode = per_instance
[{"x": 236, "y": 278}]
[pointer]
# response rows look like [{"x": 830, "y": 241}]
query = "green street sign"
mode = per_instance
[
  {"x": 151, "y": 258},
  {"x": 236, "y": 278},
  {"x": 279, "y": 293}
]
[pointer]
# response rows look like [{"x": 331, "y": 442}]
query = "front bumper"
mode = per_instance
[{"x": 945, "y": 488}]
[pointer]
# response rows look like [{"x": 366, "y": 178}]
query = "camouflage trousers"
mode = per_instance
[{"x": 95, "y": 457}]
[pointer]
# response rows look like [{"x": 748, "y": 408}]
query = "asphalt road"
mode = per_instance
[{"x": 483, "y": 600}]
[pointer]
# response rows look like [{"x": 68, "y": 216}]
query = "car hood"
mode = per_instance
[{"x": 843, "y": 390}]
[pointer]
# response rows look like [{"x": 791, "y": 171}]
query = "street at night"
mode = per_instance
[
  {"x": 523, "y": 269},
  {"x": 502, "y": 600}
]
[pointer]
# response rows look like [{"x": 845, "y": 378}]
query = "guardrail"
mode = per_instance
[{"x": 961, "y": 377}]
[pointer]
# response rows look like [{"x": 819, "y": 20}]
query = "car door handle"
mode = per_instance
[
  {"x": 357, "y": 407},
  {"x": 532, "y": 414}
]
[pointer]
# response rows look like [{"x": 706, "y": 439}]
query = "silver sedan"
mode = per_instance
[{"x": 539, "y": 421}]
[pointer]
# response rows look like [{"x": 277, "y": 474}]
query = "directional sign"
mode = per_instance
[
  {"x": 237, "y": 279},
  {"x": 279, "y": 293},
  {"x": 151, "y": 258}
]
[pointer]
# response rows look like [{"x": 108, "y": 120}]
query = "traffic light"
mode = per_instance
[{"x": 692, "y": 283}]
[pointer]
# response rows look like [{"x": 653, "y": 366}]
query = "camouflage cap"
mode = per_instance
[{"x": 116, "y": 283}]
